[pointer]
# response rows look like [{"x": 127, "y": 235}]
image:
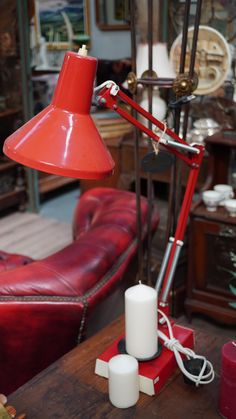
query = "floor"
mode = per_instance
[
  {"x": 38, "y": 235},
  {"x": 61, "y": 207},
  {"x": 33, "y": 235}
]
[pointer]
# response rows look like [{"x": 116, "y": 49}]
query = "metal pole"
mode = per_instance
[
  {"x": 192, "y": 60},
  {"x": 27, "y": 95},
  {"x": 149, "y": 176},
  {"x": 136, "y": 148}
]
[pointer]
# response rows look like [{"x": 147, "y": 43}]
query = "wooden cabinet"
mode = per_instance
[{"x": 212, "y": 243}]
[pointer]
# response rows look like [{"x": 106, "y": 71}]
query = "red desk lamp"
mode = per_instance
[{"x": 63, "y": 140}]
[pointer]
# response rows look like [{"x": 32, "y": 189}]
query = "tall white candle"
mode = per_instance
[
  {"x": 123, "y": 381},
  {"x": 141, "y": 321}
]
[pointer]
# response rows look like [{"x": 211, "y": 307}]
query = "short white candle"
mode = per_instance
[
  {"x": 123, "y": 381},
  {"x": 141, "y": 321}
]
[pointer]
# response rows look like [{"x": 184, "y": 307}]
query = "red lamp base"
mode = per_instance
[{"x": 153, "y": 374}]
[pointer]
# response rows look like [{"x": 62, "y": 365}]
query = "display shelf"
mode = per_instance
[
  {"x": 5, "y": 165},
  {"x": 15, "y": 198},
  {"x": 48, "y": 183},
  {"x": 9, "y": 112},
  {"x": 221, "y": 214},
  {"x": 12, "y": 178}
]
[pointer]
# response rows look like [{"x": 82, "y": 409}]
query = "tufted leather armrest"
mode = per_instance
[{"x": 10, "y": 261}]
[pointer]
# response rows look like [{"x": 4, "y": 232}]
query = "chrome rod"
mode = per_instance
[
  {"x": 172, "y": 271},
  {"x": 179, "y": 145},
  {"x": 164, "y": 264}
]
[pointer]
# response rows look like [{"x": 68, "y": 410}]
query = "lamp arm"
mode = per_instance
[
  {"x": 193, "y": 156},
  {"x": 108, "y": 96}
]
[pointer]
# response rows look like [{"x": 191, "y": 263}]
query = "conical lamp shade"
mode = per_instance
[{"x": 63, "y": 139}]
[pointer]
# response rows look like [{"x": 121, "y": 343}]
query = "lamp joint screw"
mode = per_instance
[
  {"x": 103, "y": 100},
  {"x": 115, "y": 107}
]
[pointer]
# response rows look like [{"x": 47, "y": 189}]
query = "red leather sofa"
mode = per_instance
[
  {"x": 47, "y": 305},
  {"x": 11, "y": 261}
]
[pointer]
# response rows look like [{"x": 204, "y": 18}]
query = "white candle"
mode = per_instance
[
  {"x": 141, "y": 321},
  {"x": 123, "y": 381}
]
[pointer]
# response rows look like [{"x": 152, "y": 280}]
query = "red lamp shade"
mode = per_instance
[{"x": 63, "y": 139}]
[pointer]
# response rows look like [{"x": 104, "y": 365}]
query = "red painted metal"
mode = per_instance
[
  {"x": 111, "y": 103},
  {"x": 184, "y": 213},
  {"x": 63, "y": 139},
  {"x": 193, "y": 160}
]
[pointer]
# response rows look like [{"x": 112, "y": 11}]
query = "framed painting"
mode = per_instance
[
  {"x": 112, "y": 14},
  {"x": 63, "y": 24}
]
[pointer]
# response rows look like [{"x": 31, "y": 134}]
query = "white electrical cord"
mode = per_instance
[
  {"x": 107, "y": 83},
  {"x": 175, "y": 346}
]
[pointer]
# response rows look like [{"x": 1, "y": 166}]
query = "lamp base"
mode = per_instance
[
  {"x": 122, "y": 350},
  {"x": 153, "y": 374}
]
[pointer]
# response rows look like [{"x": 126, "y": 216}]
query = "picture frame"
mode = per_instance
[
  {"x": 62, "y": 24},
  {"x": 112, "y": 15}
]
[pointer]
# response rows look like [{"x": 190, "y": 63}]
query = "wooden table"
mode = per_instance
[{"x": 70, "y": 389}]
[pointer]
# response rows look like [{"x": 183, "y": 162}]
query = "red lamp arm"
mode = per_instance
[
  {"x": 110, "y": 100},
  {"x": 193, "y": 156}
]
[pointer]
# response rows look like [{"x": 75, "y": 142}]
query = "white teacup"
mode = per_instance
[
  {"x": 211, "y": 199},
  {"x": 226, "y": 191},
  {"x": 230, "y": 205}
]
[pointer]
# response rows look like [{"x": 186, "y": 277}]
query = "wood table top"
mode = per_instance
[{"x": 69, "y": 388}]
